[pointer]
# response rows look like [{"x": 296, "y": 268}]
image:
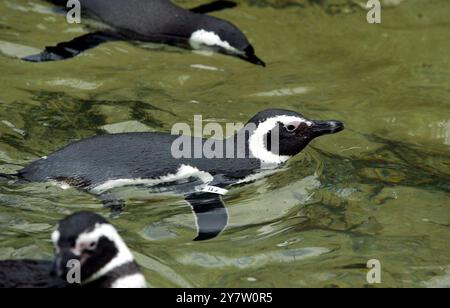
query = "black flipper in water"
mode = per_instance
[
  {"x": 214, "y": 6},
  {"x": 67, "y": 50},
  {"x": 211, "y": 214}
]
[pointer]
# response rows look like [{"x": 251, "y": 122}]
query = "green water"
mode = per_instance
[{"x": 378, "y": 190}]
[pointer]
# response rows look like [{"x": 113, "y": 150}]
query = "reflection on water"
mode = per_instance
[{"x": 378, "y": 190}]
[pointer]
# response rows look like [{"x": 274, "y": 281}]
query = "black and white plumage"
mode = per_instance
[
  {"x": 158, "y": 21},
  {"x": 100, "y": 164},
  {"x": 105, "y": 260}
]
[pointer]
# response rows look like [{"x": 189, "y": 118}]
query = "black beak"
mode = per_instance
[
  {"x": 61, "y": 264},
  {"x": 250, "y": 56},
  {"x": 320, "y": 128}
]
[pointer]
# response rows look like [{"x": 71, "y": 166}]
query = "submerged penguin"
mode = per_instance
[
  {"x": 101, "y": 164},
  {"x": 157, "y": 21},
  {"x": 88, "y": 239}
]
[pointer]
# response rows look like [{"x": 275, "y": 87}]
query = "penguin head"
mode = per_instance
[
  {"x": 277, "y": 135},
  {"x": 87, "y": 245},
  {"x": 224, "y": 37}
]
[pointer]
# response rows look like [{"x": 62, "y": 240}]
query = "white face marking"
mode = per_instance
[
  {"x": 123, "y": 256},
  {"x": 184, "y": 172},
  {"x": 55, "y": 239},
  {"x": 202, "y": 38},
  {"x": 256, "y": 141},
  {"x": 134, "y": 281}
]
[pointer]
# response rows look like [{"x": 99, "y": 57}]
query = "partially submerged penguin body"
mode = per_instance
[
  {"x": 101, "y": 164},
  {"x": 157, "y": 21},
  {"x": 85, "y": 243}
]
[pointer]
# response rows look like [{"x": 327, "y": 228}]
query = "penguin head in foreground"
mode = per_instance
[
  {"x": 224, "y": 37},
  {"x": 88, "y": 246},
  {"x": 279, "y": 134}
]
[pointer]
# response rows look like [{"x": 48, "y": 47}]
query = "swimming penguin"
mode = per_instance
[
  {"x": 87, "y": 238},
  {"x": 157, "y": 21},
  {"x": 100, "y": 164}
]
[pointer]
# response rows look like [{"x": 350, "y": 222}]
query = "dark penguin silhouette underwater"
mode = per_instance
[
  {"x": 157, "y": 21},
  {"x": 102, "y": 164}
]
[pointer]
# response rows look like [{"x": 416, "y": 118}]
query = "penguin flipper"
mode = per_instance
[
  {"x": 214, "y": 6},
  {"x": 70, "y": 49},
  {"x": 210, "y": 212}
]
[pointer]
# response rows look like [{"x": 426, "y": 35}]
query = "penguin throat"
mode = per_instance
[
  {"x": 202, "y": 39},
  {"x": 124, "y": 276}
]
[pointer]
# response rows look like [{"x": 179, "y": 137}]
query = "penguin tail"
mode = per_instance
[{"x": 9, "y": 177}]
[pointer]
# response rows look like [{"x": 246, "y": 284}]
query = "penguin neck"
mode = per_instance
[
  {"x": 126, "y": 275},
  {"x": 252, "y": 145}
]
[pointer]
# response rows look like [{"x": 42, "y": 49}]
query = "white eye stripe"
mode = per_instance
[
  {"x": 84, "y": 240},
  {"x": 256, "y": 141},
  {"x": 296, "y": 125},
  {"x": 55, "y": 237},
  {"x": 108, "y": 231},
  {"x": 211, "y": 39}
]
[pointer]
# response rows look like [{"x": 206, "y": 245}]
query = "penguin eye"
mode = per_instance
[
  {"x": 291, "y": 128},
  {"x": 92, "y": 245}
]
